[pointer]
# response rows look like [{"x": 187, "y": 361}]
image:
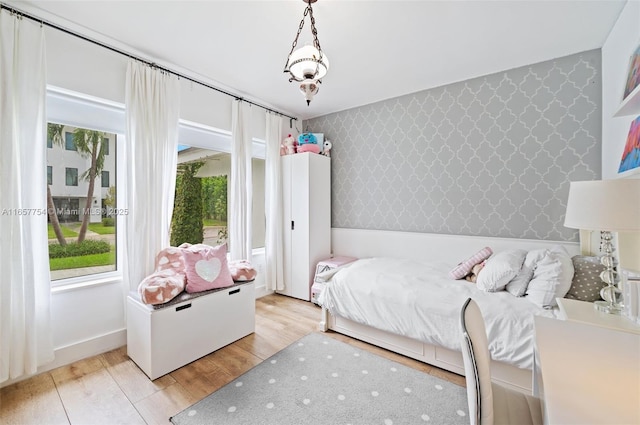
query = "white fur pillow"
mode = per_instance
[
  {"x": 518, "y": 285},
  {"x": 551, "y": 278},
  {"x": 500, "y": 269}
]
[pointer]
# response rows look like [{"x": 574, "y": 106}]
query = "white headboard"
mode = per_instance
[{"x": 427, "y": 246}]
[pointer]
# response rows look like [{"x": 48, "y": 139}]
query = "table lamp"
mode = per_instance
[{"x": 607, "y": 206}]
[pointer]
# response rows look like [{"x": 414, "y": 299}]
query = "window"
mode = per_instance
[
  {"x": 71, "y": 178},
  {"x": 49, "y": 142},
  {"x": 69, "y": 144},
  {"x": 70, "y": 203},
  {"x": 209, "y": 169},
  {"x": 99, "y": 256}
]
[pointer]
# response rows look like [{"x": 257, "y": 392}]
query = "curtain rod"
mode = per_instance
[{"x": 130, "y": 55}]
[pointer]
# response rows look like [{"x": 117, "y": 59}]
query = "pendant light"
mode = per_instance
[{"x": 308, "y": 64}]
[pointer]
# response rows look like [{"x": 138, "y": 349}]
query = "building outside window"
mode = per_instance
[
  {"x": 105, "y": 179},
  {"x": 49, "y": 175}
]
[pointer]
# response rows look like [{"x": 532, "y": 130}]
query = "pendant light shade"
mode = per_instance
[
  {"x": 305, "y": 63},
  {"x": 308, "y": 64}
]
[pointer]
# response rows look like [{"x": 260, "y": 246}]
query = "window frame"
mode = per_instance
[
  {"x": 74, "y": 179},
  {"x": 80, "y": 110},
  {"x": 102, "y": 179},
  {"x": 69, "y": 144}
]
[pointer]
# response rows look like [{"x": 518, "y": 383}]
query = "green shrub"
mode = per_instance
[
  {"x": 186, "y": 224},
  {"x": 74, "y": 249},
  {"x": 108, "y": 222}
]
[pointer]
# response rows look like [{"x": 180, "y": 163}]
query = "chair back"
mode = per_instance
[{"x": 477, "y": 367}]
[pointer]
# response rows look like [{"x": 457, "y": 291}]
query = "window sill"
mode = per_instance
[{"x": 82, "y": 282}]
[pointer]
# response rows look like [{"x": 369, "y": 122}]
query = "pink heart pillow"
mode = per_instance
[{"x": 206, "y": 268}]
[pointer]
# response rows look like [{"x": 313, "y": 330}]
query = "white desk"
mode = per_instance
[
  {"x": 590, "y": 374},
  {"x": 580, "y": 311}
]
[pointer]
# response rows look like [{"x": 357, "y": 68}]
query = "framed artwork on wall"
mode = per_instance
[
  {"x": 633, "y": 77},
  {"x": 630, "y": 161}
]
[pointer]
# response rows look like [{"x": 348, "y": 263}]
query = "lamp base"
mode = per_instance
[{"x": 607, "y": 307}]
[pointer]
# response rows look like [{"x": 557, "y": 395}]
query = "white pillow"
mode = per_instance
[
  {"x": 551, "y": 278},
  {"x": 518, "y": 285},
  {"x": 500, "y": 269}
]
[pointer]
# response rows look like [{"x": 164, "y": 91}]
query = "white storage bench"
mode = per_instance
[{"x": 160, "y": 340}]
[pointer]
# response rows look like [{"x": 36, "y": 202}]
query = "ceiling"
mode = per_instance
[{"x": 377, "y": 49}]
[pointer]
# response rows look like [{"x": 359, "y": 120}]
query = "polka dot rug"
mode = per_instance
[{"x": 319, "y": 380}]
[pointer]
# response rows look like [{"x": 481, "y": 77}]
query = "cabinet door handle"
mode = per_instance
[
  {"x": 293, "y": 225},
  {"x": 235, "y": 291},
  {"x": 182, "y": 307}
]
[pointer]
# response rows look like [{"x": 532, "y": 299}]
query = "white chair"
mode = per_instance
[{"x": 490, "y": 403}]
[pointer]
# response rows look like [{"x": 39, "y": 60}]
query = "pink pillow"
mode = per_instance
[
  {"x": 170, "y": 259},
  {"x": 308, "y": 147},
  {"x": 242, "y": 271},
  {"x": 206, "y": 268},
  {"x": 161, "y": 286},
  {"x": 464, "y": 268}
]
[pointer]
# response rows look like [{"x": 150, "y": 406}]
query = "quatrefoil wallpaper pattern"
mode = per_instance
[{"x": 491, "y": 156}]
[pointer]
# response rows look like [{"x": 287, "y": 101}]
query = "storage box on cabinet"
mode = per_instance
[{"x": 162, "y": 340}]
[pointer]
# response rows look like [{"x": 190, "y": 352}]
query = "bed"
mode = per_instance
[{"x": 399, "y": 296}]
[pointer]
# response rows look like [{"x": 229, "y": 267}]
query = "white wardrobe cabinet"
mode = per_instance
[{"x": 306, "y": 182}]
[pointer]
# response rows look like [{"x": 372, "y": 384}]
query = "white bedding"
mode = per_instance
[{"x": 418, "y": 300}]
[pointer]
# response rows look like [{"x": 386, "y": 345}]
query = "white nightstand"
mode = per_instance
[{"x": 584, "y": 312}]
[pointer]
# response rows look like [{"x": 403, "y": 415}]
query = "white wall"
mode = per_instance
[{"x": 616, "y": 51}]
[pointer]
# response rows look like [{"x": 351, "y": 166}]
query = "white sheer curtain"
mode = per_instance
[
  {"x": 25, "y": 289},
  {"x": 273, "y": 243},
  {"x": 152, "y": 113},
  {"x": 241, "y": 193}
]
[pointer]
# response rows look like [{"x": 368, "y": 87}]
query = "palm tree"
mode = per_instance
[
  {"x": 54, "y": 133},
  {"x": 89, "y": 144}
]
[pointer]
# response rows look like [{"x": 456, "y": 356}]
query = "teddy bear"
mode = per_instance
[
  {"x": 288, "y": 146},
  {"x": 326, "y": 148},
  {"x": 307, "y": 142},
  {"x": 475, "y": 271}
]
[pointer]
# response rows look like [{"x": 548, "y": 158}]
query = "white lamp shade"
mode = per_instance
[
  {"x": 304, "y": 61},
  {"x": 612, "y": 205}
]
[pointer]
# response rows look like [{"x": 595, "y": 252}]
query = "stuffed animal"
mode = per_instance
[
  {"x": 475, "y": 271},
  {"x": 289, "y": 145},
  {"x": 326, "y": 151},
  {"x": 307, "y": 142}
]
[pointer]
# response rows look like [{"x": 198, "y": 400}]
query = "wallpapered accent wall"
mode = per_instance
[{"x": 491, "y": 156}]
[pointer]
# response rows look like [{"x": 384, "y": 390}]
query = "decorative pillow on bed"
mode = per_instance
[
  {"x": 500, "y": 269},
  {"x": 206, "y": 268},
  {"x": 551, "y": 278},
  {"x": 518, "y": 285},
  {"x": 586, "y": 283},
  {"x": 161, "y": 286},
  {"x": 464, "y": 268}
]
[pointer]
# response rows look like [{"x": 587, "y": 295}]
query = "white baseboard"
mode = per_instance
[{"x": 78, "y": 351}]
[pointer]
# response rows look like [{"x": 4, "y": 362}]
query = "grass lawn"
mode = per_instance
[
  {"x": 102, "y": 230},
  {"x": 66, "y": 232},
  {"x": 105, "y": 259},
  {"x": 212, "y": 222}
]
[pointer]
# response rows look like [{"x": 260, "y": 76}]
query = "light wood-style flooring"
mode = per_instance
[{"x": 109, "y": 388}]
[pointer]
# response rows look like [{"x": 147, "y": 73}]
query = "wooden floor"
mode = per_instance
[{"x": 109, "y": 388}]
